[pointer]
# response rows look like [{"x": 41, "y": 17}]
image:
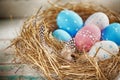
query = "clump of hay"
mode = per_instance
[{"x": 36, "y": 45}]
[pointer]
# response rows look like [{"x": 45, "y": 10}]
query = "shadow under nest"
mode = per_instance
[{"x": 36, "y": 45}]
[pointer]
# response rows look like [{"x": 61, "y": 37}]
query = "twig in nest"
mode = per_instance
[
  {"x": 54, "y": 5},
  {"x": 48, "y": 51},
  {"x": 19, "y": 69},
  {"x": 95, "y": 64},
  {"x": 36, "y": 15}
]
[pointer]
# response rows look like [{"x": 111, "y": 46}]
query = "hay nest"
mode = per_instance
[{"x": 35, "y": 45}]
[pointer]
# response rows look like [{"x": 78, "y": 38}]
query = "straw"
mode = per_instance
[{"x": 35, "y": 45}]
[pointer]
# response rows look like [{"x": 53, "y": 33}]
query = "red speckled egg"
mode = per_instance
[{"x": 86, "y": 37}]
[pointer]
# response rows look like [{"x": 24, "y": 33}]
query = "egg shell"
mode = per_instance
[
  {"x": 61, "y": 35},
  {"x": 86, "y": 37},
  {"x": 112, "y": 32},
  {"x": 104, "y": 50},
  {"x": 69, "y": 21},
  {"x": 99, "y": 19}
]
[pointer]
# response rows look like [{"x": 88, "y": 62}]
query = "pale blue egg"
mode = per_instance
[
  {"x": 62, "y": 35},
  {"x": 69, "y": 21},
  {"x": 112, "y": 32}
]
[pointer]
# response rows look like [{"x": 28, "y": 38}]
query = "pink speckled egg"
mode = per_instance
[{"x": 86, "y": 37}]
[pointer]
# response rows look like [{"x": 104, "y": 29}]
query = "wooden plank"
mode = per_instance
[
  {"x": 25, "y": 8},
  {"x": 19, "y": 8}
]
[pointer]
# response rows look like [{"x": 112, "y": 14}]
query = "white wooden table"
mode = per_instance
[
  {"x": 25, "y": 8},
  {"x": 8, "y": 31}
]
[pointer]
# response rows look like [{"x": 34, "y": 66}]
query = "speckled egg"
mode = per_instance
[
  {"x": 86, "y": 37},
  {"x": 103, "y": 50},
  {"x": 61, "y": 35},
  {"x": 99, "y": 19},
  {"x": 69, "y": 21},
  {"x": 112, "y": 32}
]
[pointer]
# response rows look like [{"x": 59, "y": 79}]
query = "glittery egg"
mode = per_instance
[
  {"x": 69, "y": 21},
  {"x": 112, "y": 32},
  {"x": 61, "y": 35},
  {"x": 99, "y": 19},
  {"x": 86, "y": 37},
  {"x": 103, "y": 50}
]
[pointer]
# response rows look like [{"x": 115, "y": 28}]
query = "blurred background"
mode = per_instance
[
  {"x": 12, "y": 16},
  {"x": 25, "y": 8},
  {"x": 13, "y": 12}
]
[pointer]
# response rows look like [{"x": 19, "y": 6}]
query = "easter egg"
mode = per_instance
[
  {"x": 99, "y": 19},
  {"x": 69, "y": 21},
  {"x": 103, "y": 50},
  {"x": 61, "y": 35},
  {"x": 112, "y": 32},
  {"x": 86, "y": 37}
]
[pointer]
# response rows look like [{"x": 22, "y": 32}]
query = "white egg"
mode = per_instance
[
  {"x": 99, "y": 18},
  {"x": 103, "y": 50}
]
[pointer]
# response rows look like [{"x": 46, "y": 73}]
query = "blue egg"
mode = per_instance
[
  {"x": 62, "y": 35},
  {"x": 69, "y": 21},
  {"x": 112, "y": 32}
]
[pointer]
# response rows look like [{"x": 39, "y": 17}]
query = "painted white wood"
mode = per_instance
[
  {"x": 19, "y": 8},
  {"x": 9, "y": 29},
  {"x": 25, "y": 8}
]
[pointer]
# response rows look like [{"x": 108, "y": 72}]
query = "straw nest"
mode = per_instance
[{"x": 36, "y": 45}]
